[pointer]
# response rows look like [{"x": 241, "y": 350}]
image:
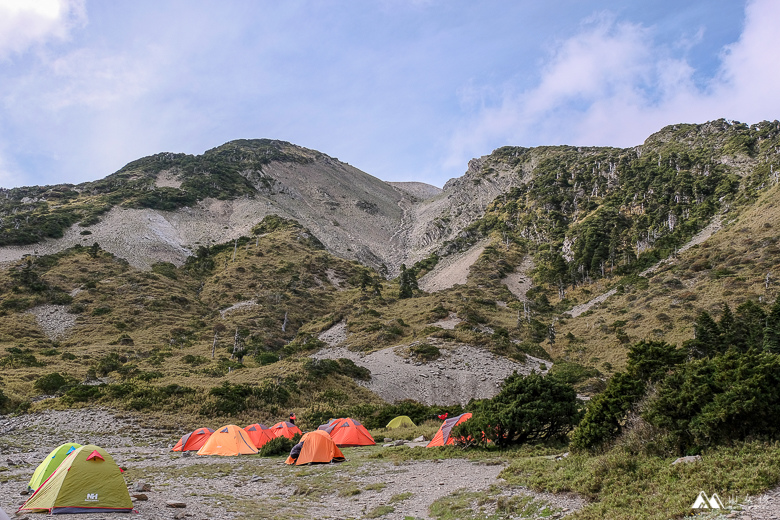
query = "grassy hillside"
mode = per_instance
[
  {"x": 593, "y": 219},
  {"x": 164, "y": 340}
]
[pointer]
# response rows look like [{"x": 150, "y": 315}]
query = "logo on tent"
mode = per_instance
[
  {"x": 702, "y": 502},
  {"x": 91, "y": 497}
]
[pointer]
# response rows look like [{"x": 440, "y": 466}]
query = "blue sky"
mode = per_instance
[{"x": 402, "y": 89}]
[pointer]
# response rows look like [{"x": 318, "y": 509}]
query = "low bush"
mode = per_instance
[
  {"x": 278, "y": 446},
  {"x": 425, "y": 352},
  {"x": 52, "y": 383}
]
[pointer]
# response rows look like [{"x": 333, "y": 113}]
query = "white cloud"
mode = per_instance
[
  {"x": 613, "y": 84},
  {"x": 25, "y": 23}
]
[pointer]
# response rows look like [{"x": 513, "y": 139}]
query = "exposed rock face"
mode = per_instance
[
  {"x": 355, "y": 215},
  {"x": 442, "y": 218},
  {"x": 419, "y": 190}
]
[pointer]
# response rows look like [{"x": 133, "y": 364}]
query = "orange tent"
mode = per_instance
[
  {"x": 442, "y": 436},
  {"x": 318, "y": 448},
  {"x": 348, "y": 432},
  {"x": 259, "y": 434},
  {"x": 193, "y": 440},
  {"x": 228, "y": 440},
  {"x": 286, "y": 429}
]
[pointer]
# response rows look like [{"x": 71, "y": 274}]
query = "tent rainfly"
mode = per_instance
[
  {"x": 87, "y": 481},
  {"x": 193, "y": 441},
  {"x": 402, "y": 421},
  {"x": 442, "y": 437},
  {"x": 50, "y": 463},
  {"x": 347, "y": 432},
  {"x": 259, "y": 434},
  {"x": 228, "y": 441},
  {"x": 286, "y": 429},
  {"x": 317, "y": 448}
]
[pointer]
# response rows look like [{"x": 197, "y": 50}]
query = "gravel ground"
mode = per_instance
[
  {"x": 54, "y": 320},
  {"x": 224, "y": 488}
]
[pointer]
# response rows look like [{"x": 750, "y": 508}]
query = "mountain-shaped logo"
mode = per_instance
[{"x": 702, "y": 502}]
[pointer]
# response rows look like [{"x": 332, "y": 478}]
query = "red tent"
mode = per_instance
[
  {"x": 442, "y": 436},
  {"x": 347, "y": 432},
  {"x": 193, "y": 440},
  {"x": 259, "y": 434},
  {"x": 286, "y": 429}
]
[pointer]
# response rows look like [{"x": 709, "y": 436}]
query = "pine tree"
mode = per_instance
[{"x": 407, "y": 283}]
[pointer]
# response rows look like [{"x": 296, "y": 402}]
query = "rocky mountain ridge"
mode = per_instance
[{"x": 161, "y": 208}]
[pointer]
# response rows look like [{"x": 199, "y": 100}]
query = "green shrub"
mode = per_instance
[
  {"x": 194, "y": 360},
  {"x": 425, "y": 351},
  {"x": 17, "y": 358},
  {"x": 730, "y": 397},
  {"x": 101, "y": 311},
  {"x": 321, "y": 368},
  {"x": 5, "y": 401},
  {"x": 166, "y": 269},
  {"x": 266, "y": 358},
  {"x": 648, "y": 362},
  {"x": 279, "y": 446},
  {"x": 526, "y": 409},
  {"x": 83, "y": 393},
  {"x": 572, "y": 373},
  {"x": 109, "y": 363},
  {"x": 52, "y": 383},
  {"x": 149, "y": 376}
]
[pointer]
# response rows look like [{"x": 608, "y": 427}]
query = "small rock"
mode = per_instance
[
  {"x": 24, "y": 492},
  {"x": 186, "y": 454},
  {"x": 388, "y": 439},
  {"x": 388, "y": 445},
  {"x": 139, "y": 496},
  {"x": 255, "y": 478},
  {"x": 399, "y": 442},
  {"x": 179, "y": 515},
  {"x": 140, "y": 487},
  {"x": 175, "y": 503},
  {"x": 691, "y": 458},
  {"x": 421, "y": 438}
]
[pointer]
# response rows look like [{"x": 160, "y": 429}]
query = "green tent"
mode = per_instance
[
  {"x": 50, "y": 463},
  {"x": 402, "y": 421},
  {"x": 87, "y": 481}
]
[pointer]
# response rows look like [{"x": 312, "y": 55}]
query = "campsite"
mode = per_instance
[
  {"x": 404, "y": 481},
  {"x": 368, "y": 484}
]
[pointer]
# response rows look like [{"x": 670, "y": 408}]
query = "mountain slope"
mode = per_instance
[{"x": 161, "y": 208}]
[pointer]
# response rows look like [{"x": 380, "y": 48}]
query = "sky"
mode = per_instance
[{"x": 405, "y": 90}]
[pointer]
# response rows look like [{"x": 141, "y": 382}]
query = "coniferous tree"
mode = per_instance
[
  {"x": 407, "y": 283},
  {"x": 706, "y": 341}
]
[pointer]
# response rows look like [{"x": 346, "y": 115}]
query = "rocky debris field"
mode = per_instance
[
  {"x": 461, "y": 372},
  {"x": 452, "y": 270},
  {"x": 168, "y": 485}
]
